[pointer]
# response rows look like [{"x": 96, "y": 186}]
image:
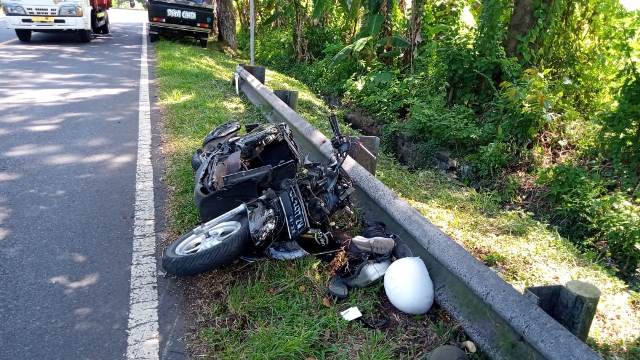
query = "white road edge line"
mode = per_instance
[{"x": 143, "y": 334}]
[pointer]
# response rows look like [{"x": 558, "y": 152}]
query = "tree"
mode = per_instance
[
  {"x": 243, "y": 14},
  {"x": 522, "y": 20},
  {"x": 300, "y": 43},
  {"x": 226, "y": 19},
  {"x": 414, "y": 34}
]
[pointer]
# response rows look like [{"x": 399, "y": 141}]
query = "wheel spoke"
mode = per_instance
[{"x": 205, "y": 237}]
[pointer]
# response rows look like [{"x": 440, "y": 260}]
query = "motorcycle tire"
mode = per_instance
[
  {"x": 196, "y": 160},
  {"x": 211, "y": 245}
]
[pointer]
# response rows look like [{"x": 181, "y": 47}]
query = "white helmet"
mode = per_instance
[{"x": 408, "y": 286}]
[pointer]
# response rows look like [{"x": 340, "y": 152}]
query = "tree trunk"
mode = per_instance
[
  {"x": 300, "y": 44},
  {"x": 415, "y": 35},
  {"x": 227, "y": 23},
  {"x": 243, "y": 14},
  {"x": 215, "y": 32},
  {"x": 402, "y": 4},
  {"x": 522, "y": 20},
  {"x": 385, "y": 10}
]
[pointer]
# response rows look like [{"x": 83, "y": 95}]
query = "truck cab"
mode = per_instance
[{"x": 84, "y": 17}]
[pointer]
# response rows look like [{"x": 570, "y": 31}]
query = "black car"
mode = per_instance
[{"x": 181, "y": 18}]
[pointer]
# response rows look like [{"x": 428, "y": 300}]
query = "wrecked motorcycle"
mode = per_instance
[{"x": 256, "y": 194}]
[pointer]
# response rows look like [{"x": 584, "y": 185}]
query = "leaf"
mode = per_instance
[
  {"x": 342, "y": 54},
  {"x": 381, "y": 77},
  {"x": 395, "y": 41},
  {"x": 360, "y": 43},
  {"x": 319, "y": 7},
  {"x": 373, "y": 24},
  {"x": 326, "y": 301},
  {"x": 272, "y": 18},
  {"x": 346, "y": 6}
]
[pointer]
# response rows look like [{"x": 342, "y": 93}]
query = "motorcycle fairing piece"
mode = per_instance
[{"x": 235, "y": 170}]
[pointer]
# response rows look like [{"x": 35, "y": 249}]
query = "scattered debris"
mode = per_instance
[
  {"x": 470, "y": 346},
  {"x": 351, "y": 313},
  {"x": 364, "y": 260}
]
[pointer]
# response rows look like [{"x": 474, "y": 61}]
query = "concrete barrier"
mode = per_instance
[{"x": 504, "y": 323}]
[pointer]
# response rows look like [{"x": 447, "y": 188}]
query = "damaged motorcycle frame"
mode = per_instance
[{"x": 255, "y": 190}]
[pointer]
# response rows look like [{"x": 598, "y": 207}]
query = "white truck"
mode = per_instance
[{"x": 84, "y": 17}]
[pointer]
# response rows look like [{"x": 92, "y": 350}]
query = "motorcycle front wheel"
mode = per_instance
[{"x": 213, "y": 244}]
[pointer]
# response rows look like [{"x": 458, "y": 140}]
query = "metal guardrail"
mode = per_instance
[{"x": 504, "y": 323}]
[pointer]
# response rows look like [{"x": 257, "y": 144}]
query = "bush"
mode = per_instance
[
  {"x": 621, "y": 136},
  {"x": 594, "y": 217},
  {"x": 454, "y": 127},
  {"x": 381, "y": 94},
  {"x": 490, "y": 159}
]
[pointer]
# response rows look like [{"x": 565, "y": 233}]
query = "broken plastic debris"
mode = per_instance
[
  {"x": 286, "y": 250},
  {"x": 351, "y": 313}
]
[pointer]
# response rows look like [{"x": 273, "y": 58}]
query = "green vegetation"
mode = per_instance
[
  {"x": 269, "y": 309},
  {"x": 196, "y": 94},
  {"x": 524, "y": 251},
  {"x": 525, "y": 93}
]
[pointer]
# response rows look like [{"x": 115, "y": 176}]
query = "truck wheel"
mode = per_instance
[
  {"x": 203, "y": 43},
  {"x": 153, "y": 37},
  {"x": 104, "y": 29},
  {"x": 94, "y": 22},
  {"x": 24, "y": 35},
  {"x": 85, "y": 36}
]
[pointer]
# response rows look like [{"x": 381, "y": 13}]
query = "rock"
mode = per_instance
[
  {"x": 412, "y": 153},
  {"x": 362, "y": 122},
  {"x": 442, "y": 156},
  {"x": 470, "y": 346},
  {"x": 447, "y": 352},
  {"x": 465, "y": 171},
  {"x": 445, "y": 162}
]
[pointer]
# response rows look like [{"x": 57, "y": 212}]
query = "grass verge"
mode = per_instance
[
  {"x": 269, "y": 309},
  {"x": 196, "y": 93}
]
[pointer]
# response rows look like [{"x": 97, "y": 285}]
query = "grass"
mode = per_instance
[
  {"x": 524, "y": 251},
  {"x": 277, "y": 312},
  {"x": 196, "y": 92},
  {"x": 269, "y": 309}
]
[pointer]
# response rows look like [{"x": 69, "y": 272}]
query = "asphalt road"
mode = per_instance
[{"x": 68, "y": 145}]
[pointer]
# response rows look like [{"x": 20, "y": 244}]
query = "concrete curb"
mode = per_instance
[{"x": 502, "y": 321}]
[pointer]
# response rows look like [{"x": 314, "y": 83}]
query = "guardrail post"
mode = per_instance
[
  {"x": 259, "y": 72},
  {"x": 364, "y": 150},
  {"x": 289, "y": 97},
  {"x": 573, "y": 305}
]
